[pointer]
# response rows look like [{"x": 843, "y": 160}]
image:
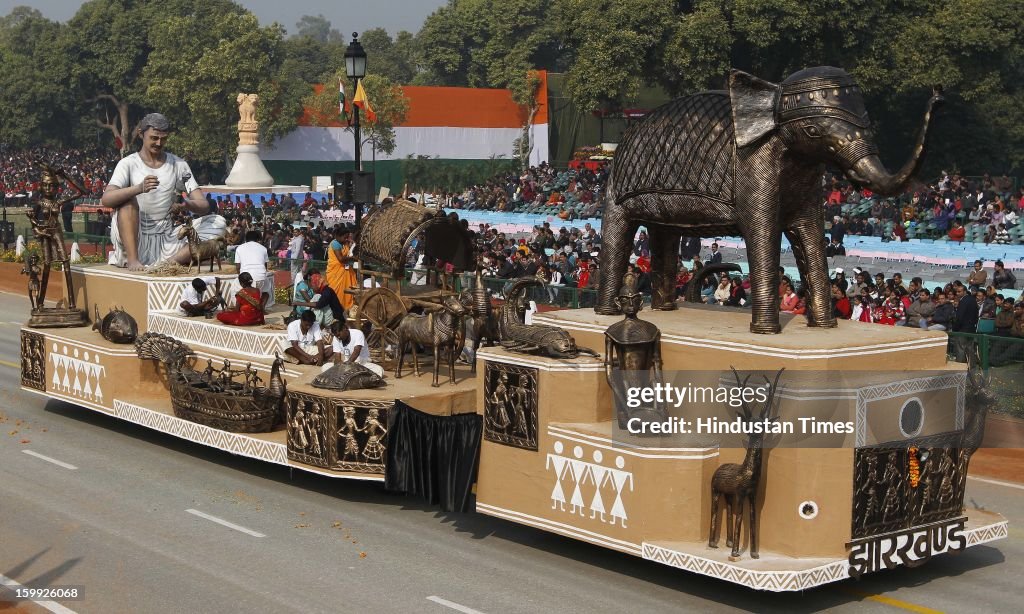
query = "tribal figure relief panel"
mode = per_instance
[
  {"x": 896, "y": 488},
  {"x": 307, "y": 420},
  {"x": 33, "y": 360},
  {"x": 337, "y": 434},
  {"x": 510, "y": 405},
  {"x": 592, "y": 485},
  {"x": 360, "y": 436},
  {"x": 77, "y": 372}
]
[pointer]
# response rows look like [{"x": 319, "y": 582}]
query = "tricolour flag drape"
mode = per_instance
[
  {"x": 361, "y": 101},
  {"x": 341, "y": 100}
]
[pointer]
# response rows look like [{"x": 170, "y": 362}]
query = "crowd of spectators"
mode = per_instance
[
  {"x": 953, "y": 207},
  {"x": 20, "y": 171},
  {"x": 542, "y": 190}
]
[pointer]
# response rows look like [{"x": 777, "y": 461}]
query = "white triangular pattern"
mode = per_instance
[
  {"x": 236, "y": 443},
  {"x": 757, "y": 579},
  {"x": 202, "y": 333}
]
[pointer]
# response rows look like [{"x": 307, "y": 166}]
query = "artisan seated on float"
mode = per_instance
[
  {"x": 349, "y": 345},
  {"x": 192, "y": 302},
  {"x": 250, "y": 305},
  {"x": 325, "y": 303},
  {"x": 304, "y": 342},
  {"x": 252, "y": 257}
]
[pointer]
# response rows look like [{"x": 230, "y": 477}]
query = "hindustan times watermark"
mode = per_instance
[
  {"x": 737, "y": 426},
  {"x": 787, "y": 408}
]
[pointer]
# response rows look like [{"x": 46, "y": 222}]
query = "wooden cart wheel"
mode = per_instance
[
  {"x": 384, "y": 310},
  {"x": 381, "y": 307}
]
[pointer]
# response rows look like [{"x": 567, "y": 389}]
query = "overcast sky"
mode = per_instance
[{"x": 345, "y": 15}]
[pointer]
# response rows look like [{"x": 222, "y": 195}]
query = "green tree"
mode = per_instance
[
  {"x": 487, "y": 43},
  {"x": 35, "y": 102},
  {"x": 614, "y": 45},
  {"x": 196, "y": 85},
  {"x": 391, "y": 58},
  {"x": 317, "y": 28}
]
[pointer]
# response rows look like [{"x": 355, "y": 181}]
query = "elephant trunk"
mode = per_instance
[{"x": 870, "y": 173}]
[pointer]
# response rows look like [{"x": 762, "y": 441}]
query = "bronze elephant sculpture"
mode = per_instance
[{"x": 748, "y": 161}]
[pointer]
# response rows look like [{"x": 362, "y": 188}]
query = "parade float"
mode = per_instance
[{"x": 548, "y": 429}]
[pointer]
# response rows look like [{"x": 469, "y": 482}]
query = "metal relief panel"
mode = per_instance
[
  {"x": 360, "y": 435},
  {"x": 908, "y": 484},
  {"x": 308, "y": 420},
  {"x": 33, "y": 360},
  {"x": 510, "y": 405}
]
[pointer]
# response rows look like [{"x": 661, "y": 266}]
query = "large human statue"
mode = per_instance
[
  {"x": 633, "y": 356},
  {"x": 143, "y": 192}
]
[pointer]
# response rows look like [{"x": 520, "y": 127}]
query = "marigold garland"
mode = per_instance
[{"x": 914, "y": 467}]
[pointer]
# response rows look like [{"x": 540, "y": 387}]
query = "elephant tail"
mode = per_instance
[{"x": 696, "y": 283}]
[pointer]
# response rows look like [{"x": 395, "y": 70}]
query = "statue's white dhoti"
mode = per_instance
[{"x": 157, "y": 244}]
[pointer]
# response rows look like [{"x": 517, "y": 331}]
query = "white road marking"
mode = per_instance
[
  {"x": 52, "y": 606},
  {"x": 49, "y": 460},
  {"x": 227, "y": 524},
  {"x": 997, "y": 482},
  {"x": 451, "y": 604}
]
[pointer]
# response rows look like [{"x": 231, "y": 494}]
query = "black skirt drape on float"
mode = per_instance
[{"x": 433, "y": 456}]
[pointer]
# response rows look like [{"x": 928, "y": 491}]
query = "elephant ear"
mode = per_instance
[{"x": 753, "y": 106}]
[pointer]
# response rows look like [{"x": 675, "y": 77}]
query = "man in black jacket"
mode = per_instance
[
  {"x": 966, "y": 322},
  {"x": 716, "y": 256}
]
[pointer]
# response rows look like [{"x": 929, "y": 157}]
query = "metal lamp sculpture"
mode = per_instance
[
  {"x": 632, "y": 357},
  {"x": 745, "y": 162}
]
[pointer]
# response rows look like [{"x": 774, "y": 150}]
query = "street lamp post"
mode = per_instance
[{"x": 355, "y": 68}]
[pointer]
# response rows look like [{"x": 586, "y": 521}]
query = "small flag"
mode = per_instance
[
  {"x": 341, "y": 100},
  {"x": 361, "y": 101}
]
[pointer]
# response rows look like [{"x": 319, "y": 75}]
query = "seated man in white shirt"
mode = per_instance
[
  {"x": 193, "y": 302},
  {"x": 252, "y": 257},
  {"x": 349, "y": 345},
  {"x": 305, "y": 341}
]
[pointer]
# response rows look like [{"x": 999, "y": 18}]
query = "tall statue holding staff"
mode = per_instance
[
  {"x": 142, "y": 192},
  {"x": 46, "y": 225}
]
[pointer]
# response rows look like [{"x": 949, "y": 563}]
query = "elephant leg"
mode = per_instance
[
  {"x": 664, "y": 268},
  {"x": 763, "y": 244},
  {"x": 617, "y": 245},
  {"x": 809, "y": 234}
]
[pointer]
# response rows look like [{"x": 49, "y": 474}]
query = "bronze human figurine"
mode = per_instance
[
  {"x": 46, "y": 225},
  {"x": 632, "y": 355},
  {"x": 33, "y": 270},
  {"x": 748, "y": 161}
]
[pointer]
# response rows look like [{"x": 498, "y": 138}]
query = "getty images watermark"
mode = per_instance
[
  {"x": 791, "y": 408},
  {"x": 735, "y": 397}
]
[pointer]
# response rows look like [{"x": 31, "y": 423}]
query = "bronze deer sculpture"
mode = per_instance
[
  {"x": 738, "y": 482},
  {"x": 201, "y": 251}
]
